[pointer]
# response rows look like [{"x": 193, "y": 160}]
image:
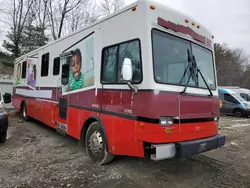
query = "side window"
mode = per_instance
[
  {"x": 45, "y": 65},
  {"x": 24, "y": 67},
  {"x": 245, "y": 96},
  {"x": 56, "y": 66},
  {"x": 110, "y": 65},
  {"x": 113, "y": 58},
  {"x": 229, "y": 98}
]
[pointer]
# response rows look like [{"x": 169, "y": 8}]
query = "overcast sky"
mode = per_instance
[{"x": 228, "y": 20}]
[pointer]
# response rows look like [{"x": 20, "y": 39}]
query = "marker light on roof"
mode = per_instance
[
  {"x": 187, "y": 20},
  {"x": 134, "y": 8},
  {"x": 212, "y": 36},
  {"x": 152, "y": 7},
  {"x": 193, "y": 23},
  {"x": 198, "y": 26}
]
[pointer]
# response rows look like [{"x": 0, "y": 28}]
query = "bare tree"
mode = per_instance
[
  {"x": 58, "y": 15},
  {"x": 232, "y": 66},
  {"x": 17, "y": 11},
  {"x": 41, "y": 10},
  {"x": 110, "y": 6},
  {"x": 85, "y": 14}
]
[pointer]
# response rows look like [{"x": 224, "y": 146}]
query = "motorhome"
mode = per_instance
[{"x": 140, "y": 81}]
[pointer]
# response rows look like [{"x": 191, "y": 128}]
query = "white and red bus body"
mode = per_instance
[{"x": 158, "y": 116}]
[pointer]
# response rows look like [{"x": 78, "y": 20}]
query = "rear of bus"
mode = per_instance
[{"x": 181, "y": 104}]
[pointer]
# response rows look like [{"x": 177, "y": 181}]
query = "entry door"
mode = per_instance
[{"x": 63, "y": 96}]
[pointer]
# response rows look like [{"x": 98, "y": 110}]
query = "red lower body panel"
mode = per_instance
[{"x": 125, "y": 136}]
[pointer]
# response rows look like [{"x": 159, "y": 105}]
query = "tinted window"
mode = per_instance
[
  {"x": 230, "y": 99},
  {"x": 56, "y": 67},
  {"x": 45, "y": 65},
  {"x": 109, "y": 74},
  {"x": 113, "y": 58},
  {"x": 24, "y": 69},
  {"x": 245, "y": 96}
]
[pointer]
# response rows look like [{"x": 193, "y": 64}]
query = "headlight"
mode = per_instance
[{"x": 166, "y": 121}]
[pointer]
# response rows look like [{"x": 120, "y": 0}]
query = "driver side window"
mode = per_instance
[
  {"x": 112, "y": 60},
  {"x": 245, "y": 96}
]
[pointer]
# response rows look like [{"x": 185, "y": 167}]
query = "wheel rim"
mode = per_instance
[
  {"x": 96, "y": 143},
  {"x": 238, "y": 114}
]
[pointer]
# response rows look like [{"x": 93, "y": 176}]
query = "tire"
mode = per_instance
[
  {"x": 24, "y": 115},
  {"x": 238, "y": 113},
  {"x": 96, "y": 145},
  {"x": 3, "y": 137}
]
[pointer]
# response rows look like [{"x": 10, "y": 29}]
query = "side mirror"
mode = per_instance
[
  {"x": 65, "y": 74},
  {"x": 7, "y": 98},
  {"x": 127, "y": 70}
]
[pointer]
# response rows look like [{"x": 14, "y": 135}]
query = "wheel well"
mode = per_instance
[
  {"x": 85, "y": 127},
  {"x": 21, "y": 107}
]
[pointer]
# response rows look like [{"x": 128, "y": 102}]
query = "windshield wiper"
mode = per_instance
[
  {"x": 199, "y": 71},
  {"x": 194, "y": 70},
  {"x": 188, "y": 67},
  {"x": 192, "y": 66}
]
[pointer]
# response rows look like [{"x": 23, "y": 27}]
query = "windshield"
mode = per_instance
[{"x": 171, "y": 61}]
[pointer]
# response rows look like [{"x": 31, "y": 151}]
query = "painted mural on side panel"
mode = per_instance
[
  {"x": 81, "y": 73},
  {"x": 31, "y": 73}
]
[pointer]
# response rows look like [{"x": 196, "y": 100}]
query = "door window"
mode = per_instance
[{"x": 245, "y": 96}]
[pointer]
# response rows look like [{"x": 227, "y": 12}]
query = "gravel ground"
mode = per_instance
[{"x": 36, "y": 156}]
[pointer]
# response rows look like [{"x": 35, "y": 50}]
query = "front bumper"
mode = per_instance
[
  {"x": 4, "y": 122},
  {"x": 187, "y": 148}
]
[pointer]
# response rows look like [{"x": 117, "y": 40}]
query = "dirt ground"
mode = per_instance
[{"x": 36, "y": 156}]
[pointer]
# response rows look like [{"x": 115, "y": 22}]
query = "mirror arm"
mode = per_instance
[{"x": 133, "y": 88}]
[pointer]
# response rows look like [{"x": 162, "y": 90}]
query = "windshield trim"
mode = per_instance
[{"x": 191, "y": 42}]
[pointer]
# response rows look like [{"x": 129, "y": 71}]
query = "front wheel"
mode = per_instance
[
  {"x": 3, "y": 137},
  {"x": 238, "y": 113},
  {"x": 96, "y": 145}
]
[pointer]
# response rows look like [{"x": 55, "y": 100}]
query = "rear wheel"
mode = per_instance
[
  {"x": 24, "y": 112},
  {"x": 3, "y": 137},
  {"x": 96, "y": 145},
  {"x": 238, "y": 113}
]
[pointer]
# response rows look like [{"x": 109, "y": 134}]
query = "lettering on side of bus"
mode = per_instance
[
  {"x": 183, "y": 29},
  {"x": 128, "y": 111}
]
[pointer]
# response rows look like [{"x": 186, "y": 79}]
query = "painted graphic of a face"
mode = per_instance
[
  {"x": 76, "y": 64},
  {"x": 34, "y": 72}
]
